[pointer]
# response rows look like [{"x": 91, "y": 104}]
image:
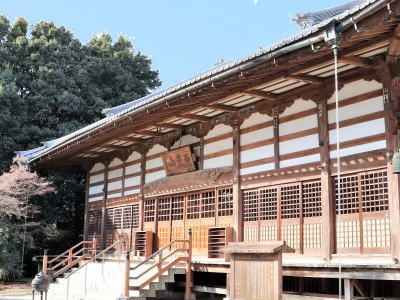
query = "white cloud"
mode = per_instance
[{"x": 255, "y": 2}]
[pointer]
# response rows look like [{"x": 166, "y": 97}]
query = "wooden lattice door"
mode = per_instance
[
  {"x": 362, "y": 213},
  {"x": 164, "y": 221},
  {"x": 177, "y": 220}
]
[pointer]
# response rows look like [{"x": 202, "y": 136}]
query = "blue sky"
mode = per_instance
[{"x": 183, "y": 37}]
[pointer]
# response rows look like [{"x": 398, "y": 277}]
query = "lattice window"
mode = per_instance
[
  {"x": 374, "y": 191},
  {"x": 291, "y": 234},
  {"x": 193, "y": 206},
  {"x": 312, "y": 199},
  {"x": 177, "y": 207},
  {"x": 135, "y": 216},
  {"x": 349, "y": 197},
  {"x": 376, "y": 233},
  {"x": 268, "y": 204},
  {"x": 208, "y": 204},
  {"x": 225, "y": 202},
  {"x": 250, "y": 205},
  {"x": 127, "y": 217},
  {"x": 312, "y": 236},
  {"x": 149, "y": 210},
  {"x": 348, "y": 234},
  {"x": 117, "y": 222},
  {"x": 110, "y": 219},
  {"x": 290, "y": 202},
  {"x": 164, "y": 209},
  {"x": 268, "y": 233}
]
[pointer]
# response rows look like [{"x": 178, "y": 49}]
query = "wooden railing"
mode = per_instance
[
  {"x": 162, "y": 265},
  {"x": 69, "y": 258}
]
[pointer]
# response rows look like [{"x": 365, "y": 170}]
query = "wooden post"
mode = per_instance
[
  {"x": 276, "y": 141},
  {"x": 142, "y": 182},
  {"x": 188, "y": 282},
  {"x": 327, "y": 195},
  {"x": 45, "y": 262},
  {"x": 94, "y": 244},
  {"x": 86, "y": 216},
  {"x": 70, "y": 257},
  {"x": 237, "y": 201},
  {"x": 201, "y": 158},
  {"x": 348, "y": 290},
  {"x": 127, "y": 274},
  {"x": 392, "y": 143},
  {"x": 104, "y": 208}
]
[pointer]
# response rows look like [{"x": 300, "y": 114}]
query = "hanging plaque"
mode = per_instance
[{"x": 179, "y": 161}]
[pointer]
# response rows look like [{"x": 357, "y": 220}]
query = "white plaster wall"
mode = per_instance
[
  {"x": 96, "y": 189},
  {"x": 185, "y": 141},
  {"x": 133, "y": 156},
  {"x": 96, "y": 178},
  {"x": 133, "y": 192},
  {"x": 256, "y": 169},
  {"x": 218, "y": 146},
  {"x": 132, "y": 181},
  {"x": 115, "y": 173},
  {"x": 115, "y": 162},
  {"x": 356, "y": 88},
  {"x": 155, "y": 176},
  {"x": 97, "y": 167},
  {"x": 132, "y": 169},
  {"x": 114, "y": 185},
  {"x": 218, "y": 162},
  {"x": 257, "y": 153}
]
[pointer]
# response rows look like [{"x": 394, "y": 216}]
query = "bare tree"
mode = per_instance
[{"x": 17, "y": 187}]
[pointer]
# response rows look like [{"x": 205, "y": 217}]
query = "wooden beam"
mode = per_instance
[
  {"x": 262, "y": 94},
  {"x": 357, "y": 61},
  {"x": 130, "y": 139},
  {"x": 171, "y": 126},
  {"x": 196, "y": 117},
  {"x": 223, "y": 107},
  {"x": 306, "y": 78},
  {"x": 115, "y": 147},
  {"x": 148, "y": 133}
]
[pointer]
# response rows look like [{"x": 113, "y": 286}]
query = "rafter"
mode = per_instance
[
  {"x": 196, "y": 117},
  {"x": 306, "y": 78},
  {"x": 262, "y": 94},
  {"x": 171, "y": 126},
  {"x": 223, "y": 107},
  {"x": 115, "y": 147},
  {"x": 148, "y": 133},
  {"x": 357, "y": 61},
  {"x": 130, "y": 139}
]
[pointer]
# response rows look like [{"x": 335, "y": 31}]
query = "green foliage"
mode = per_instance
[{"x": 50, "y": 85}]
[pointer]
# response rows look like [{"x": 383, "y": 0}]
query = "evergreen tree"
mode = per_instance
[{"x": 50, "y": 85}]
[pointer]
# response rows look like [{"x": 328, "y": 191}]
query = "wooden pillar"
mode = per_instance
[
  {"x": 201, "y": 158},
  {"x": 86, "y": 216},
  {"x": 142, "y": 182},
  {"x": 392, "y": 144},
  {"x": 237, "y": 199},
  {"x": 327, "y": 194},
  {"x": 104, "y": 208},
  {"x": 348, "y": 289},
  {"x": 390, "y": 103},
  {"x": 276, "y": 141}
]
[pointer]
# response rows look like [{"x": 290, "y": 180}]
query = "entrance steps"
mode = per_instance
[{"x": 105, "y": 281}]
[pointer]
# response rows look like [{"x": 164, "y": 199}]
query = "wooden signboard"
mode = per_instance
[{"x": 179, "y": 161}]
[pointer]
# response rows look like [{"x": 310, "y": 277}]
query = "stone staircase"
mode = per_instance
[{"x": 105, "y": 280}]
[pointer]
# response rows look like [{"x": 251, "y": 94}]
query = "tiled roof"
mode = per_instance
[{"x": 321, "y": 18}]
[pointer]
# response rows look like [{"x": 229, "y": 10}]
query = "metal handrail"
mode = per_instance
[
  {"x": 93, "y": 258},
  {"x": 157, "y": 252}
]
